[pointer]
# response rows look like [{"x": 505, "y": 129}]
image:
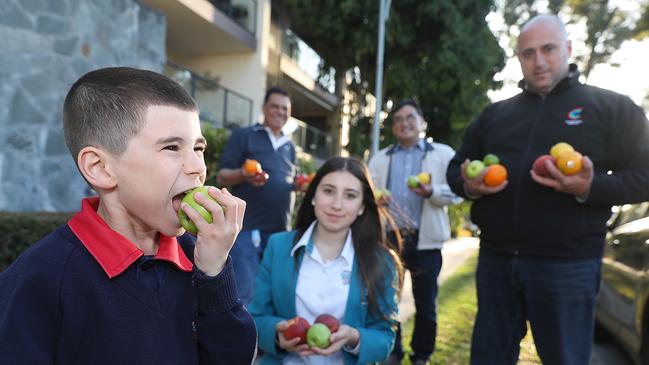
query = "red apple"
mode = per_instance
[
  {"x": 297, "y": 328},
  {"x": 539, "y": 165},
  {"x": 300, "y": 179},
  {"x": 329, "y": 321}
]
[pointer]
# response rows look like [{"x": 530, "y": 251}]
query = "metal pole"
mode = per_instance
[{"x": 379, "y": 76}]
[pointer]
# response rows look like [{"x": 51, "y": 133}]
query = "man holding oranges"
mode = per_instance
[
  {"x": 414, "y": 172},
  {"x": 258, "y": 163},
  {"x": 542, "y": 230}
]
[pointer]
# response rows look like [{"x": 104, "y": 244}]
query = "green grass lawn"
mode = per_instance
[{"x": 456, "y": 313}]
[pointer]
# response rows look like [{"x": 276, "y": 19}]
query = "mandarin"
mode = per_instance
[
  {"x": 569, "y": 162},
  {"x": 495, "y": 175},
  {"x": 252, "y": 167}
]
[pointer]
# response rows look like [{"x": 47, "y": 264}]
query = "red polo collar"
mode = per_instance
[{"x": 114, "y": 252}]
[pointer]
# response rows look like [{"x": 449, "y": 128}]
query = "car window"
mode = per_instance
[{"x": 631, "y": 212}]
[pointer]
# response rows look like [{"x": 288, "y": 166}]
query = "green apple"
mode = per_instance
[
  {"x": 474, "y": 169},
  {"x": 413, "y": 182},
  {"x": 490, "y": 159},
  {"x": 189, "y": 199},
  {"x": 318, "y": 336}
]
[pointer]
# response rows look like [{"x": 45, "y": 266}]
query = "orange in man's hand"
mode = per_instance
[
  {"x": 496, "y": 175},
  {"x": 569, "y": 162},
  {"x": 252, "y": 167}
]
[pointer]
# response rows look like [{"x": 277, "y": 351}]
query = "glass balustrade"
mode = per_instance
[
  {"x": 313, "y": 141},
  {"x": 308, "y": 61},
  {"x": 218, "y": 105},
  {"x": 241, "y": 11}
]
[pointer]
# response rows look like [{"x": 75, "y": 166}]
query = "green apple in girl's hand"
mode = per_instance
[
  {"x": 318, "y": 336},
  {"x": 189, "y": 199}
]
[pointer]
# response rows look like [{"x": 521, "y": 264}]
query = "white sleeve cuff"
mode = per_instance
[{"x": 355, "y": 350}]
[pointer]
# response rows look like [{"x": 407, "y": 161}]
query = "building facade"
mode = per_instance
[{"x": 225, "y": 52}]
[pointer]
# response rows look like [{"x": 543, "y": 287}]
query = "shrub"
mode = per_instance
[
  {"x": 216, "y": 140},
  {"x": 459, "y": 216},
  {"x": 20, "y": 230}
]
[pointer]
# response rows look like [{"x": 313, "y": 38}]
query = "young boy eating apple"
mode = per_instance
[{"x": 120, "y": 283}]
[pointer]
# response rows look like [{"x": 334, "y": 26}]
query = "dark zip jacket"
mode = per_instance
[{"x": 529, "y": 219}]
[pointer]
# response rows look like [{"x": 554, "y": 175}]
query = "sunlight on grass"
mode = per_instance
[{"x": 456, "y": 313}]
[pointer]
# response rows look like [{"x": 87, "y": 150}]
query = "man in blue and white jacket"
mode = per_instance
[{"x": 420, "y": 214}]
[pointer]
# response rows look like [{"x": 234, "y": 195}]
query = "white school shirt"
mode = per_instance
[{"x": 322, "y": 287}]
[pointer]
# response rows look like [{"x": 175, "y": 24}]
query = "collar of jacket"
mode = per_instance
[
  {"x": 427, "y": 147},
  {"x": 567, "y": 82}
]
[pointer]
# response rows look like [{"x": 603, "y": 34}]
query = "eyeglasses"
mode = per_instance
[{"x": 411, "y": 118}]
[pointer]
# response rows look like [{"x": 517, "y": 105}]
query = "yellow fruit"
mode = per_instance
[
  {"x": 560, "y": 148},
  {"x": 569, "y": 162},
  {"x": 424, "y": 178}
]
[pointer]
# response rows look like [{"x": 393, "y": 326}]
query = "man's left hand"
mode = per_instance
[
  {"x": 423, "y": 190},
  {"x": 577, "y": 184}
]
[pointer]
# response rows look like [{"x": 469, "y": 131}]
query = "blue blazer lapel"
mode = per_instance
[
  {"x": 356, "y": 308},
  {"x": 292, "y": 279}
]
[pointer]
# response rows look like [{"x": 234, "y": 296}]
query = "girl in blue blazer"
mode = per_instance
[{"x": 336, "y": 262}]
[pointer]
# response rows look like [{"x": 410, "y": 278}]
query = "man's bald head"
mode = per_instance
[
  {"x": 543, "y": 51},
  {"x": 548, "y": 20}
]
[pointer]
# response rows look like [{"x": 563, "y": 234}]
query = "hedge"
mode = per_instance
[{"x": 20, "y": 230}]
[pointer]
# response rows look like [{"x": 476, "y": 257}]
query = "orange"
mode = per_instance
[
  {"x": 496, "y": 175},
  {"x": 252, "y": 167},
  {"x": 569, "y": 162}
]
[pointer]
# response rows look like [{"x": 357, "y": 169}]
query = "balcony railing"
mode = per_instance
[
  {"x": 241, "y": 11},
  {"x": 219, "y": 106},
  {"x": 312, "y": 140},
  {"x": 308, "y": 60}
]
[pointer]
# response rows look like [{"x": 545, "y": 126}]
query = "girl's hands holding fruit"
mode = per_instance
[
  {"x": 295, "y": 344},
  {"x": 345, "y": 335}
]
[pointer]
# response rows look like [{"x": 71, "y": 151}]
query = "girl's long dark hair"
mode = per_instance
[{"x": 370, "y": 244}]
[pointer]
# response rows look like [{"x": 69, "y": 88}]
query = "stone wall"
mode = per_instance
[{"x": 45, "y": 45}]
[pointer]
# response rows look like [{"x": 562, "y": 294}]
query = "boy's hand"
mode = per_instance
[
  {"x": 215, "y": 240},
  {"x": 292, "y": 344},
  {"x": 345, "y": 335}
]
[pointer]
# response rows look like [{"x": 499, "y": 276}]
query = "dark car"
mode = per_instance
[{"x": 622, "y": 309}]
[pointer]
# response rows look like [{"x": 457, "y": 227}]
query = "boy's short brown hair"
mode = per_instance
[{"x": 105, "y": 108}]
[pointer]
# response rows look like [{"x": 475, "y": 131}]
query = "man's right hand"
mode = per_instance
[
  {"x": 475, "y": 187},
  {"x": 256, "y": 180}
]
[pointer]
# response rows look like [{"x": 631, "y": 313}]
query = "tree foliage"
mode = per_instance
[{"x": 441, "y": 52}]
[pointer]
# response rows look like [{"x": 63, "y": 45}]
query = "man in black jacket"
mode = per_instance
[{"x": 542, "y": 238}]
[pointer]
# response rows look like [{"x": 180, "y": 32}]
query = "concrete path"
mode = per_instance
[{"x": 454, "y": 253}]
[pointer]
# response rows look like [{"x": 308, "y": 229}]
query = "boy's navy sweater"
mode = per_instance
[{"x": 62, "y": 304}]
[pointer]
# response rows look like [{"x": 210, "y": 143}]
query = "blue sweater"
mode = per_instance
[{"x": 58, "y": 306}]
